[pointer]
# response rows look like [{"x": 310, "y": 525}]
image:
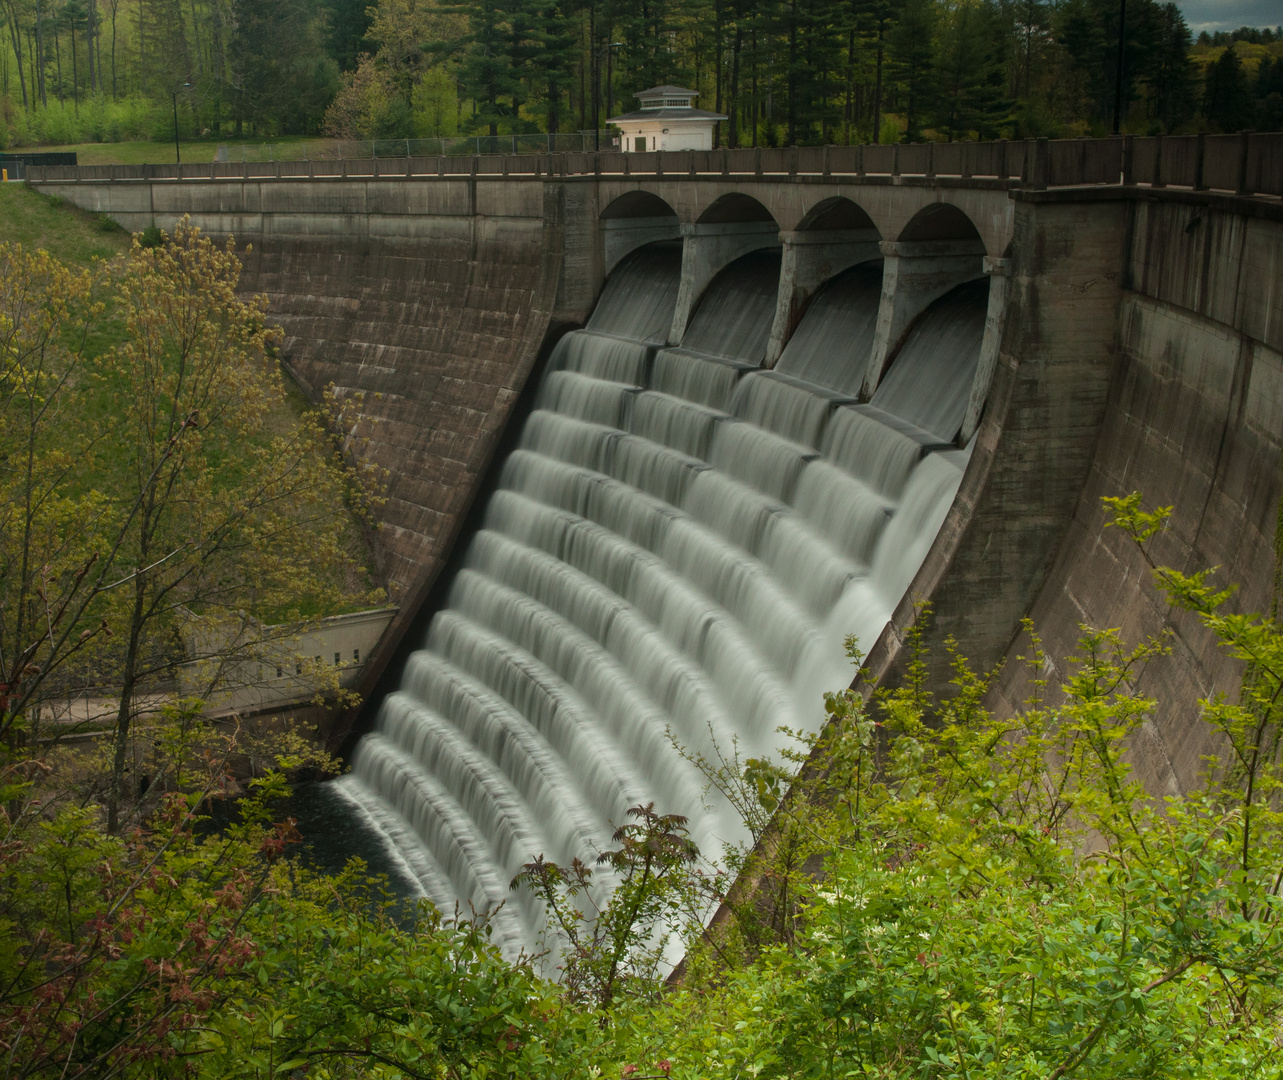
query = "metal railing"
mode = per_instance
[{"x": 1243, "y": 164}]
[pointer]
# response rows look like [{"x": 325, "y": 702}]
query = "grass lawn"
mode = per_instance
[
  {"x": 156, "y": 153},
  {"x": 71, "y": 235}
]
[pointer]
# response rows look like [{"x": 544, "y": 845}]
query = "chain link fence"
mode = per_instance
[{"x": 578, "y": 142}]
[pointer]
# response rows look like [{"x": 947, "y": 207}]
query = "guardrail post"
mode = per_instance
[
  {"x": 968, "y": 163},
  {"x": 1244, "y": 145},
  {"x": 792, "y": 162},
  {"x": 1200, "y": 149},
  {"x": 1036, "y": 154},
  {"x": 1002, "y": 159},
  {"x": 757, "y": 161},
  {"x": 895, "y": 160},
  {"x": 476, "y": 161},
  {"x": 691, "y": 159},
  {"x": 1128, "y": 162},
  {"x": 726, "y": 161},
  {"x": 826, "y": 168},
  {"x": 659, "y": 163},
  {"x": 628, "y": 166},
  {"x": 1157, "y": 181},
  {"x": 931, "y": 160},
  {"x": 859, "y": 161}
]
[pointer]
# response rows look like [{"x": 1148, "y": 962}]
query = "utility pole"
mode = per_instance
[
  {"x": 178, "y": 158},
  {"x": 1118, "y": 80},
  {"x": 596, "y": 92}
]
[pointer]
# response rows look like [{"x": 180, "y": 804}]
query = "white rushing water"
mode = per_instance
[{"x": 676, "y": 551}]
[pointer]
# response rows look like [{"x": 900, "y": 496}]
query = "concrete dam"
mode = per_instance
[{"x": 661, "y": 429}]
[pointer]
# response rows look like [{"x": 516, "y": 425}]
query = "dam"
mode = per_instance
[{"x": 662, "y": 429}]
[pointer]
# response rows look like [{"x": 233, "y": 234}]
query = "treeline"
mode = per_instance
[
  {"x": 783, "y": 71},
  {"x": 806, "y": 71},
  {"x": 105, "y": 70}
]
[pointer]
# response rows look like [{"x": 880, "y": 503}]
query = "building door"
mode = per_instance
[{"x": 641, "y": 145}]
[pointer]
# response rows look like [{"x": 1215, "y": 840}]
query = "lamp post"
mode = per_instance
[
  {"x": 596, "y": 93},
  {"x": 178, "y": 158}
]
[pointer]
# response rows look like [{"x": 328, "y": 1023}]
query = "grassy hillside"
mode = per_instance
[{"x": 69, "y": 234}]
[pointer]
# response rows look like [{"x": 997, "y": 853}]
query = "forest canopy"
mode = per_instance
[{"x": 785, "y": 72}]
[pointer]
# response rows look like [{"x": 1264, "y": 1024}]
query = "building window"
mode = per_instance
[
  {"x": 338, "y": 659},
  {"x": 298, "y": 668},
  {"x": 356, "y": 656},
  {"x": 279, "y": 672},
  {"x": 641, "y": 145}
]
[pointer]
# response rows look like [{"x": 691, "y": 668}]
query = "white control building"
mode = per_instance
[{"x": 666, "y": 120}]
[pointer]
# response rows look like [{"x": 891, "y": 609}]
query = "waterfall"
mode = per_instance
[
  {"x": 675, "y": 551},
  {"x": 831, "y": 346},
  {"x": 930, "y": 380}
]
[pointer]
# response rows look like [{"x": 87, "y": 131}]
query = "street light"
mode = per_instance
[
  {"x": 178, "y": 159},
  {"x": 596, "y": 93}
]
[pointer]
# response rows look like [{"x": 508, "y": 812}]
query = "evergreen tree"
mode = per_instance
[
  {"x": 1170, "y": 73},
  {"x": 913, "y": 56},
  {"x": 552, "y": 59},
  {"x": 282, "y": 77},
  {"x": 1269, "y": 95},
  {"x": 1227, "y": 103},
  {"x": 972, "y": 72},
  {"x": 486, "y": 73},
  {"x": 347, "y": 22}
]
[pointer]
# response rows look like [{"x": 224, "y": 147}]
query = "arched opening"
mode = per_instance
[
  {"x": 834, "y": 337},
  {"x": 638, "y": 204},
  {"x": 633, "y": 220},
  {"x": 734, "y": 208},
  {"x": 734, "y": 316},
  {"x": 929, "y": 381},
  {"x": 941, "y": 222},
  {"x": 836, "y": 213}
]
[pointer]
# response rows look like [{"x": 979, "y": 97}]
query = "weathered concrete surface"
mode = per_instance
[
  {"x": 1194, "y": 421},
  {"x": 1035, "y": 444}
]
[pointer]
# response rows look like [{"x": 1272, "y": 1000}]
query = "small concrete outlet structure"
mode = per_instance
[
  {"x": 287, "y": 664},
  {"x": 666, "y": 121}
]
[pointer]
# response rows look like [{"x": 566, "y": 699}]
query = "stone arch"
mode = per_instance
[
  {"x": 831, "y": 237},
  {"x": 638, "y": 204},
  {"x": 731, "y": 226},
  {"x": 941, "y": 222},
  {"x": 736, "y": 208},
  {"x": 632, "y": 220},
  {"x": 836, "y": 213}
]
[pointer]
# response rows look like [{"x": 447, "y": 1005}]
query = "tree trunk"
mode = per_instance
[
  {"x": 16, "y": 34},
  {"x": 40, "y": 52},
  {"x": 124, "y": 714},
  {"x": 877, "y": 94}
]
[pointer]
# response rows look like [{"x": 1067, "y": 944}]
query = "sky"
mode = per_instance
[{"x": 1213, "y": 15}]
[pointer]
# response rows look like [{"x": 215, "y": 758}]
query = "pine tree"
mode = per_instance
[
  {"x": 972, "y": 72},
  {"x": 913, "y": 58},
  {"x": 1227, "y": 103}
]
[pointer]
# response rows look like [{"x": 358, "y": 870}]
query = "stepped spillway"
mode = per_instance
[{"x": 674, "y": 554}]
